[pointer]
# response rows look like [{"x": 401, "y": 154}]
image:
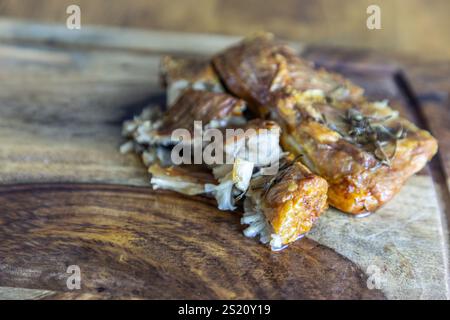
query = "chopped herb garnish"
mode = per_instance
[{"x": 371, "y": 133}]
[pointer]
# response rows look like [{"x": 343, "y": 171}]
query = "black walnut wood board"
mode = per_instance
[{"x": 68, "y": 197}]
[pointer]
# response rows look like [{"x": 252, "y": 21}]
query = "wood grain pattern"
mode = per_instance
[
  {"x": 66, "y": 125},
  {"x": 65, "y": 191},
  {"x": 430, "y": 82},
  {"x": 133, "y": 242},
  {"x": 407, "y": 25}
]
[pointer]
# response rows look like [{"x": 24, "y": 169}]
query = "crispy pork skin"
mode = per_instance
[
  {"x": 259, "y": 66},
  {"x": 214, "y": 110},
  {"x": 281, "y": 208},
  {"x": 366, "y": 152},
  {"x": 179, "y": 74}
]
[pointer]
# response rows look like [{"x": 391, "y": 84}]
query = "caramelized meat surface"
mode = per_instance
[
  {"x": 179, "y": 74},
  {"x": 258, "y": 67},
  {"x": 211, "y": 108},
  {"x": 373, "y": 151},
  {"x": 364, "y": 150},
  {"x": 294, "y": 202},
  {"x": 282, "y": 208}
]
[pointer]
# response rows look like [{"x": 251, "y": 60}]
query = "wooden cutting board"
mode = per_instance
[{"x": 68, "y": 197}]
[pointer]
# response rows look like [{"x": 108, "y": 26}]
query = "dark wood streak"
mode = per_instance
[{"x": 134, "y": 242}]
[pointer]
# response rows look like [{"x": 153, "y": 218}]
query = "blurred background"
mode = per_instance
[{"x": 417, "y": 27}]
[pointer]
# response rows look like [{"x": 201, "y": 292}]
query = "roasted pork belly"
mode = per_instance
[
  {"x": 179, "y": 74},
  {"x": 363, "y": 149},
  {"x": 282, "y": 208},
  {"x": 258, "y": 67},
  {"x": 154, "y": 127},
  {"x": 214, "y": 110}
]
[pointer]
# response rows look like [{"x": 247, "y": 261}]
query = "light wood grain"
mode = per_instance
[
  {"x": 415, "y": 26},
  {"x": 12, "y": 31}
]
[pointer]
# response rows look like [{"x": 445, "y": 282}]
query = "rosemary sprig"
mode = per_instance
[{"x": 371, "y": 133}]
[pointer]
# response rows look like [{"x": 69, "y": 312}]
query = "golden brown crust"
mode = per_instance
[
  {"x": 248, "y": 69},
  {"x": 358, "y": 180},
  {"x": 259, "y": 66},
  {"x": 309, "y": 104},
  {"x": 192, "y": 70},
  {"x": 202, "y": 106},
  {"x": 294, "y": 203}
]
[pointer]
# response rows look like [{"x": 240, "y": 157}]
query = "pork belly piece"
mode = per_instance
[
  {"x": 214, "y": 110},
  {"x": 259, "y": 66},
  {"x": 365, "y": 151},
  {"x": 185, "y": 179},
  {"x": 179, "y": 74},
  {"x": 282, "y": 208},
  {"x": 253, "y": 150},
  {"x": 150, "y": 133},
  {"x": 154, "y": 127}
]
